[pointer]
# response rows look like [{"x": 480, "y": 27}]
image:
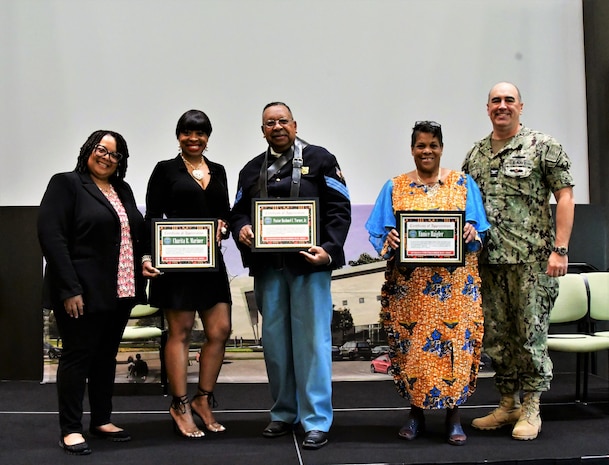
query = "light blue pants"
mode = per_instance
[{"x": 297, "y": 339}]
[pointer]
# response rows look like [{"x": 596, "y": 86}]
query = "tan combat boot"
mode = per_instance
[
  {"x": 529, "y": 424},
  {"x": 507, "y": 413}
]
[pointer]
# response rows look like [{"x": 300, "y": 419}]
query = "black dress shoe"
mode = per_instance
[
  {"x": 82, "y": 448},
  {"x": 114, "y": 436},
  {"x": 315, "y": 439},
  {"x": 412, "y": 428},
  {"x": 276, "y": 428},
  {"x": 455, "y": 434}
]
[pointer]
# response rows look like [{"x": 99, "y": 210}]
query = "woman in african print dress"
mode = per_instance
[{"x": 432, "y": 314}]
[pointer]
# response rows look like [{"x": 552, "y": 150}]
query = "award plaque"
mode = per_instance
[
  {"x": 431, "y": 238},
  {"x": 184, "y": 245},
  {"x": 285, "y": 225}
]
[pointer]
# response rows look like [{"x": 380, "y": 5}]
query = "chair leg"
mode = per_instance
[
  {"x": 164, "y": 384},
  {"x": 586, "y": 369},
  {"x": 577, "y": 377}
]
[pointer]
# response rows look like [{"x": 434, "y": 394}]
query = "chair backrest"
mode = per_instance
[
  {"x": 572, "y": 302},
  {"x": 142, "y": 311},
  {"x": 598, "y": 284}
]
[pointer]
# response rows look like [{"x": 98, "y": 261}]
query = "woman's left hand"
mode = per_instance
[
  {"x": 150, "y": 271},
  {"x": 469, "y": 232}
]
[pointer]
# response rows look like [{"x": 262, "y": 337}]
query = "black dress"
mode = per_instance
[{"x": 173, "y": 193}]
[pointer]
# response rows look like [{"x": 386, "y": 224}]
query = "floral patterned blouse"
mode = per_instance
[{"x": 126, "y": 266}]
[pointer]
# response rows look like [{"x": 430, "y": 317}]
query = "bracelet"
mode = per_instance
[{"x": 146, "y": 258}]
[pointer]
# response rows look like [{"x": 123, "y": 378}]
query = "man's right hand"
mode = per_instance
[{"x": 246, "y": 235}]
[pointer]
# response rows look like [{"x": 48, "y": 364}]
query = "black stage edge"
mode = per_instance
[{"x": 368, "y": 415}]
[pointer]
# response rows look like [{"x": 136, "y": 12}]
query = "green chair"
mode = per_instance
[
  {"x": 138, "y": 333},
  {"x": 598, "y": 285},
  {"x": 572, "y": 307}
]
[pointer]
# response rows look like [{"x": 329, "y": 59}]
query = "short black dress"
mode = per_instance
[{"x": 173, "y": 193}]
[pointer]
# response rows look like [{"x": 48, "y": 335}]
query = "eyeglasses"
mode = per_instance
[
  {"x": 272, "y": 122},
  {"x": 102, "y": 151},
  {"x": 432, "y": 124}
]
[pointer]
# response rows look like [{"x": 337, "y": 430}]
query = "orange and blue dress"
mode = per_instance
[{"x": 432, "y": 315}]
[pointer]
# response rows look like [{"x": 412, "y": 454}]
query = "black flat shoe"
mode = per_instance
[
  {"x": 315, "y": 439},
  {"x": 276, "y": 428},
  {"x": 455, "y": 434},
  {"x": 82, "y": 448},
  {"x": 114, "y": 436},
  {"x": 412, "y": 429}
]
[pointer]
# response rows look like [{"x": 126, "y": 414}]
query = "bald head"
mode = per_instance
[
  {"x": 504, "y": 108},
  {"x": 508, "y": 84}
]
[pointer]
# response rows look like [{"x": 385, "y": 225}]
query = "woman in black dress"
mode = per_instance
[{"x": 191, "y": 186}]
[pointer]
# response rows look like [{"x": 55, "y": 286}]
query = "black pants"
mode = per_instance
[{"x": 90, "y": 345}]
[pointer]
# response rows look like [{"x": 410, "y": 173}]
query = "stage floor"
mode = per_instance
[{"x": 368, "y": 415}]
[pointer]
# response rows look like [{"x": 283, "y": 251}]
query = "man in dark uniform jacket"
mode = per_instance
[{"x": 293, "y": 288}]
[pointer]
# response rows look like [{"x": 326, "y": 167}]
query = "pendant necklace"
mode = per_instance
[
  {"x": 430, "y": 188},
  {"x": 196, "y": 172}
]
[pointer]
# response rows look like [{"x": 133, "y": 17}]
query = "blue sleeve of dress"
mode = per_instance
[
  {"x": 474, "y": 209},
  {"x": 382, "y": 217}
]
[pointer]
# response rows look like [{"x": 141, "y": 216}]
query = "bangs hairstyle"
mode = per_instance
[
  {"x": 430, "y": 127},
  {"x": 87, "y": 149},
  {"x": 193, "y": 120}
]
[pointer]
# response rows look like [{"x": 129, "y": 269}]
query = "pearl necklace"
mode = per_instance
[{"x": 196, "y": 172}]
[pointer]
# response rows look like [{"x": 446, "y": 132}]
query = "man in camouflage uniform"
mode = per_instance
[{"x": 517, "y": 170}]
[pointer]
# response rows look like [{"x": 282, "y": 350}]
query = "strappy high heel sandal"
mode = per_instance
[
  {"x": 181, "y": 406},
  {"x": 213, "y": 427}
]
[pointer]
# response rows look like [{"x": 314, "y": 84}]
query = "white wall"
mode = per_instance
[{"x": 357, "y": 74}]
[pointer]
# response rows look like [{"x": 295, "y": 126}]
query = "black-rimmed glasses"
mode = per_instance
[
  {"x": 102, "y": 151},
  {"x": 270, "y": 123},
  {"x": 432, "y": 124}
]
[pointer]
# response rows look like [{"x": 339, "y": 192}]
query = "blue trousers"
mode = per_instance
[{"x": 297, "y": 339}]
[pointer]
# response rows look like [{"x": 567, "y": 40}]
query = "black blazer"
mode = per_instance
[{"x": 79, "y": 232}]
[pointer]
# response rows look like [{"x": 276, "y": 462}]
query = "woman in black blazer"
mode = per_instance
[{"x": 89, "y": 230}]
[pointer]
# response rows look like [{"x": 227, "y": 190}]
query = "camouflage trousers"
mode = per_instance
[{"x": 517, "y": 300}]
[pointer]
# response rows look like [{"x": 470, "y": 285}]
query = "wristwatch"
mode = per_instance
[{"x": 562, "y": 251}]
